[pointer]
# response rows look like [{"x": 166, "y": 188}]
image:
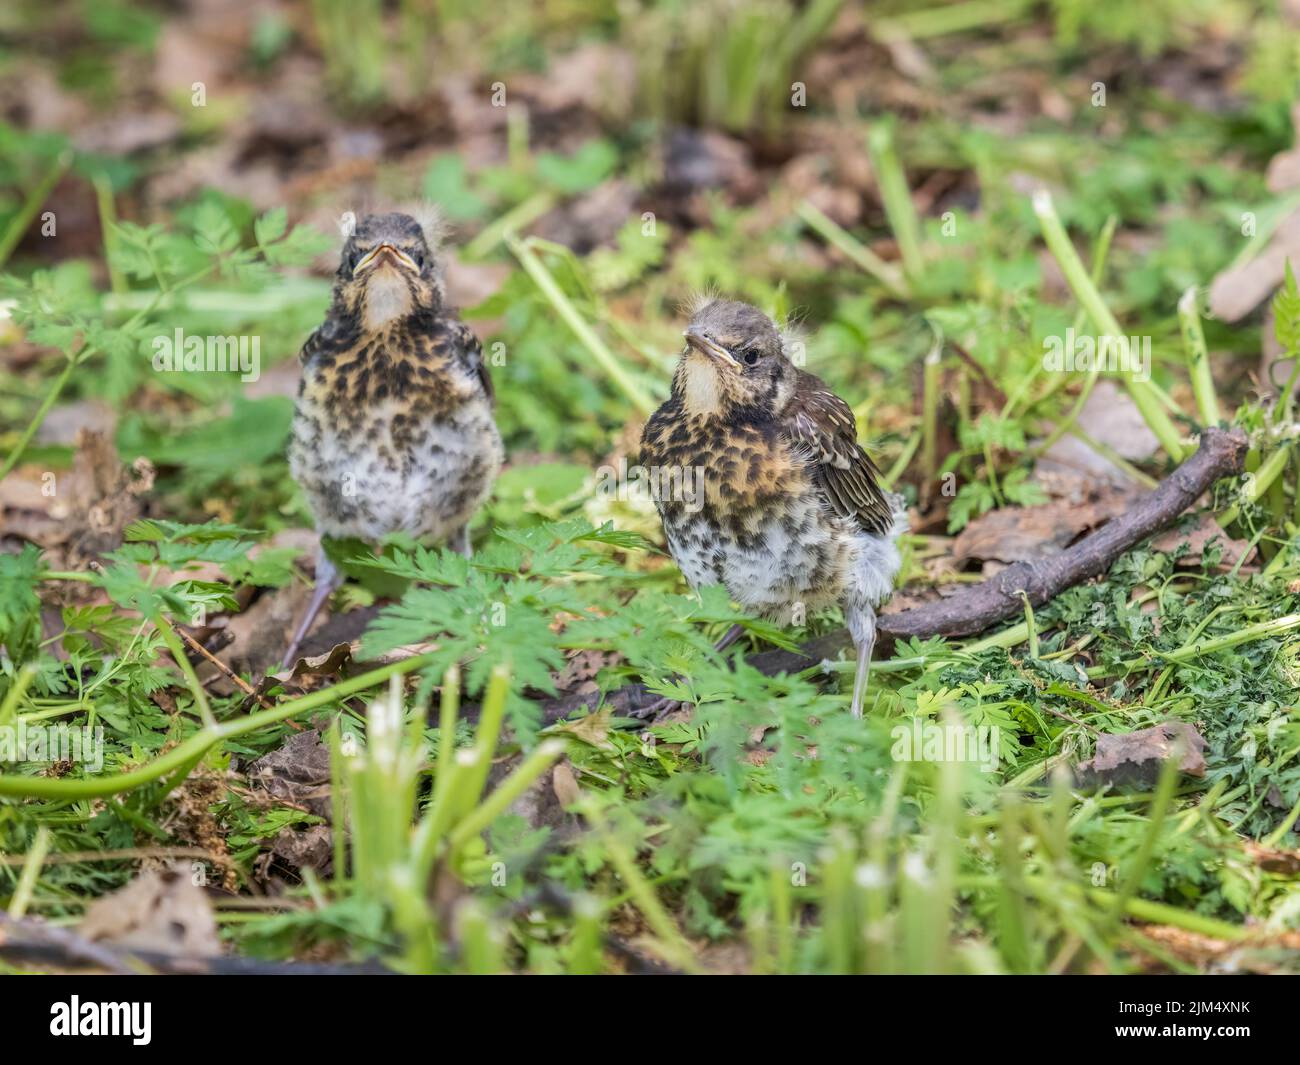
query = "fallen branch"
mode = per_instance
[{"x": 1220, "y": 454}]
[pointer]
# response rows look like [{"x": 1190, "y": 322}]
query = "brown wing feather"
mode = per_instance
[
  {"x": 821, "y": 424},
  {"x": 472, "y": 351},
  {"x": 480, "y": 364}
]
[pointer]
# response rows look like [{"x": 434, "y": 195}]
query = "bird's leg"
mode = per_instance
[
  {"x": 459, "y": 541},
  {"x": 664, "y": 705},
  {"x": 328, "y": 578},
  {"x": 862, "y": 627}
]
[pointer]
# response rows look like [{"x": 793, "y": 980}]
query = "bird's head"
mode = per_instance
[
  {"x": 734, "y": 362},
  {"x": 388, "y": 271}
]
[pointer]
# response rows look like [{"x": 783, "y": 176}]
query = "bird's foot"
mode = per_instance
[{"x": 659, "y": 708}]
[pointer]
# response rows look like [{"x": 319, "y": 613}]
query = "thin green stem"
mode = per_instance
[
  {"x": 1029, "y": 624},
  {"x": 107, "y": 219},
  {"x": 1198, "y": 359},
  {"x": 900, "y": 463},
  {"x": 671, "y": 943},
  {"x": 1143, "y": 393},
  {"x": 18, "y": 224},
  {"x": 588, "y": 337},
  {"x": 1258, "y": 483},
  {"x": 853, "y": 249},
  {"x": 1260, "y": 630},
  {"x": 31, "y": 873},
  {"x": 948, "y": 18},
  {"x": 201, "y": 742},
  {"x": 1160, "y": 804},
  {"x": 518, "y": 217},
  {"x": 177, "y": 648},
  {"x": 16, "y": 452},
  {"x": 930, "y": 375},
  {"x": 896, "y": 197},
  {"x": 538, "y": 762}
]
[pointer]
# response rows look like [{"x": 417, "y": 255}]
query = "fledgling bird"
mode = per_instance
[
  {"x": 393, "y": 430},
  {"x": 792, "y": 512}
]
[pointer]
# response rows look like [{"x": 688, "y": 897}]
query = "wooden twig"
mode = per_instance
[
  {"x": 39, "y": 942},
  {"x": 1221, "y": 453},
  {"x": 23, "y": 937},
  {"x": 224, "y": 669},
  {"x": 122, "y": 854}
]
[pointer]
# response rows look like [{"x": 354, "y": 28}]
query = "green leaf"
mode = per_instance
[
  {"x": 214, "y": 233},
  {"x": 159, "y": 530},
  {"x": 19, "y": 605},
  {"x": 1286, "y": 309},
  {"x": 446, "y": 184},
  {"x": 271, "y": 226},
  {"x": 584, "y": 169}
]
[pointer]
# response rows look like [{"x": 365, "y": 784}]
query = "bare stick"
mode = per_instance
[{"x": 1220, "y": 454}]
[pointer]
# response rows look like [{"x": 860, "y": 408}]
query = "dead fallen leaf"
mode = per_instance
[
  {"x": 1264, "y": 954},
  {"x": 592, "y": 729},
  {"x": 326, "y": 665},
  {"x": 591, "y": 219},
  {"x": 1243, "y": 286},
  {"x": 1018, "y": 534},
  {"x": 162, "y": 911},
  {"x": 1198, "y": 538},
  {"x": 297, "y": 772},
  {"x": 696, "y": 160},
  {"x": 1272, "y": 860},
  {"x": 102, "y": 496},
  {"x": 64, "y": 421},
  {"x": 129, "y": 130},
  {"x": 1135, "y": 758},
  {"x": 1073, "y": 469},
  {"x": 564, "y": 784},
  {"x": 260, "y": 634},
  {"x": 542, "y": 804},
  {"x": 309, "y": 848},
  {"x": 578, "y": 677}
]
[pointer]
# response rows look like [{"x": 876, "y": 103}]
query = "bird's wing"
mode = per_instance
[
  {"x": 468, "y": 344},
  {"x": 330, "y": 337},
  {"x": 316, "y": 343},
  {"x": 821, "y": 426}
]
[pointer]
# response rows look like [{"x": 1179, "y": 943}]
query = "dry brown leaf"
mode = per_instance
[
  {"x": 1018, "y": 534},
  {"x": 592, "y": 729},
  {"x": 564, "y": 784},
  {"x": 298, "y": 773},
  {"x": 1135, "y": 758},
  {"x": 161, "y": 911},
  {"x": 309, "y": 848},
  {"x": 1198, "y": 539}
]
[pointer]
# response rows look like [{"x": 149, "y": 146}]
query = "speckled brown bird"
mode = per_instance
[
  {"x": 393, "y": 430},
  {"x": 792, "y": 518}
]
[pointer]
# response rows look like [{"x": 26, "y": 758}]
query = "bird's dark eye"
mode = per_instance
[
  {"x": 352, "y": 258},
  {"x": 418, "y": 258},
  {"x": 750, "y": 355}
]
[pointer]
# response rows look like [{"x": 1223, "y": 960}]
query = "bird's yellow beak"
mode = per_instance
[
  {"x": 706, "y": 346},
  {"x": 385, "y": 253}
]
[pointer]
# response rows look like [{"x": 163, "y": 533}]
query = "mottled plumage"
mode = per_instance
[
  {"x": 393, "y": 430},
  {"x": 792, "y": 518}
]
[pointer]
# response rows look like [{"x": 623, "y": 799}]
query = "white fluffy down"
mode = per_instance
[
  {"x": 768, "y": 579},
  {"x": 412, "y": 498}
]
